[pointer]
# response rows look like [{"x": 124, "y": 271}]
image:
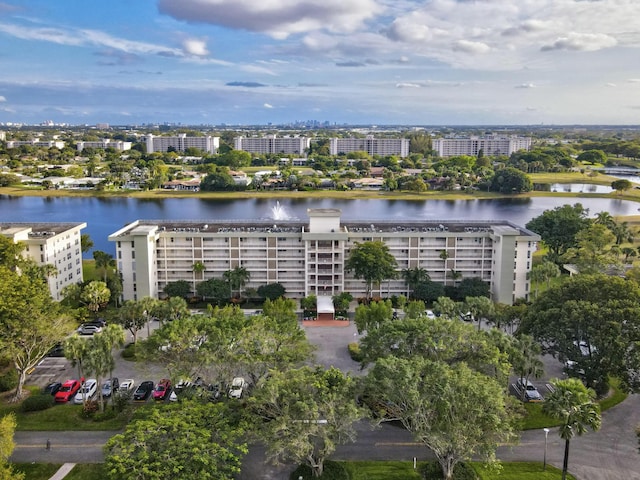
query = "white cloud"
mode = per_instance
[
  {"x": 526, "y": 85},
  {"x": 613, "y": 85},
  {"x": 588, "y": 42},
  {"x": 3, "y": 98},
  {"x": 278, "y": 18},
  {"x": 407, "y": 85},
  {"x": 267, "y": 105},
  {"x": 195, "y": 47},
  {"x": 471, "y": 47}
]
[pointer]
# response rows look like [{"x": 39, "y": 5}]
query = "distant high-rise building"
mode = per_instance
[
  {"x": 273, "y": 144},
  {"x": 371, "y": 145},
  {"x": 57, "y": 244},
  {"x": 491, "y": 145},
  {"x": 180, "y": 143}
]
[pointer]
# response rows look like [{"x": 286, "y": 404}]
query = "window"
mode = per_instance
[{"x": 133, "y": 254}]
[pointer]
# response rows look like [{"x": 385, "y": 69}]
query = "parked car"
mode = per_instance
[
  {"x": 126, "y": 386},
  {"x": 213, "y": 391},
  {"x": 88, "y": 390},
  {"x": 466, "y": 317},
  {"x": 52, "y": 388},
  {"x": 429, "y": 314},
  {"x": 67, "y": 391},
  {"x": 110, "y": 386},
  {"x": 162, "y": 389},
  {"x": 143, "y": 392},
  {"x": 531, "y": 393},
  {"x": 89, "y": 329},
  {"x": 238, "y": 385},
  {"x": 56, "y": 351}
]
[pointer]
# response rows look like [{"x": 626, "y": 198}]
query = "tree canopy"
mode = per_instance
[{"x": 372, "y": 262}]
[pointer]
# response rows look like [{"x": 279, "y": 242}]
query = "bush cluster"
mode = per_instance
[
  {"x": 332, "y": 471},
  {"x": 37, "y": 403},
  {"x": 433, "y": 471},
  {"x": 129, "y": 352},
  {"x": 354, "y": 352},
  {"x": 9, "y": 380}
]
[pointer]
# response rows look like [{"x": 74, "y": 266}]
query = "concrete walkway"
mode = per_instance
[{"x": 63, "y": 471}]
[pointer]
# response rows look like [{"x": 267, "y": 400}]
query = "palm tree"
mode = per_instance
[
  {"x": 622, "y": 232},
  {"x": 526, "y": 359},
  {"x": 414, "y": 276},
  {"x": 198, "y": 268},
  {"x": 94, "y": 295},
  {"x": 573, "y": 404},
  {"x": 112, "y": 336},
  {"x": 75, "y": 349},
  {"x": 237, "y": 278},
  {"x": 605, "y": 218}
]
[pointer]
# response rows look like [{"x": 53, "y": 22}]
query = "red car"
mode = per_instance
[
  {"x": 162, "y": 390},
  {"x": 67, "y": 391}
]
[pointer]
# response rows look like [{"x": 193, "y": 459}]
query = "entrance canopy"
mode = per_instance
[{"x": 325, "y": 305}]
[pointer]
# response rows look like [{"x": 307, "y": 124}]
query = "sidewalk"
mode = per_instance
[{"x": 63, "y": 471}]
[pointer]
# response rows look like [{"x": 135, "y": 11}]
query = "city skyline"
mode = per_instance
[{"x": 360, "y": 62}]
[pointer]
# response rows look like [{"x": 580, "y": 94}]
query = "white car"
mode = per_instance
[
  {"x": 429, "y": 314},
  {"x": 87, "y": 391},
  {"x": 126, "y": 386},
  {"x": 237, "y": 387}
]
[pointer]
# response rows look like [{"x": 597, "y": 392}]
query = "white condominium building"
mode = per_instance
[
  {"x": 36, "y": 143},
  {"x": 371, "y": 145},
  {"x": 106, "y": 143},
  {"x": 491, "y": 145},
  {"x": 57, "y": 244},
  {"x": 272, "y": 144},
  {"x": 180, "y": 143},
  {"x": 308, "y": 257}
]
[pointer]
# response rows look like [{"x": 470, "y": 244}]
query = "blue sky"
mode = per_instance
[{"x": 452, "y": 62}]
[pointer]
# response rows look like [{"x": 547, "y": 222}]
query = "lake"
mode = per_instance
[{"x": 106, "y": 215}]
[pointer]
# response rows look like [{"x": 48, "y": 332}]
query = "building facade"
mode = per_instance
[
  {"x": 308, "y": 257},
  {"x": 180, "y": 143},
  {"x": 36, "y": 142},
  {"x": 56, "y": 244},
  {"x": 371, "y": 145},
  {"x": 106, "y": 143},
  {"x": 491, "y": 145},
  {"x": 271, "y": 144}
]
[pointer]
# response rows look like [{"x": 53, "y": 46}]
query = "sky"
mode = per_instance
[{"x": 255, "y": 62}]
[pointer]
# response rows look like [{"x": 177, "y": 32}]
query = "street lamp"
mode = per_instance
[{"x": 544, "y": 462}]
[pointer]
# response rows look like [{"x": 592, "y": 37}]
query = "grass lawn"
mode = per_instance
[
  {"x": 60, "y": 418},
  {"x": 89, "y": 271},
  {"x": 36, "y": 471},
  {"x": 536, "y": 419},
  {"x": 86, "y": 471},
  {"x": 381, "y": 470},
  {"x": 519, "y": 471}
]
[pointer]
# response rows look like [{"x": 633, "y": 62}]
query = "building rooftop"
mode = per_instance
[{"x": 37, "y": 229}]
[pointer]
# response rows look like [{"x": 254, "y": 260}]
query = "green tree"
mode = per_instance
[
  {"x": 30, "y": 322},
  {"x": 591, "y": 254},
  {"x": 511, "y": 180},
  {"x": 179, "y": 288},
  {"x": 479, "y": 307},
  {"x": 10, "y": 252},
  {"x": 574, "y": 405},
  {"x": 414, "y": 277},
  {"x": 543, "y": 272},
  {"x": 373, "y": 315},
  {"x": 621, "y": 185},
  {"x": 237, "y": 278},
  {"x": 95, "y": 295},
  {"x": 75, "y": 350},
  {"x": 591, "y": 320},
  {"x": 473, "y": 287},
  {"x": 7, "y": 445},
  {"x": 214, "y": 289},
  {"x": 131, "y": 316},
  {"x": 456, "y": 412},
  {"x": 190, "y": 440},
  {"x": 271, "y": 291},
  {"x": 303, "y": 414},
  {"x": 171, "y": 309},
  {"x": 559, "y": 227},
  {"x": 446, "y": 307},
  {"x": 86, "y": 243},
  {"x": 428, "y": 291},
  {"x": 104, "y": 263},
  {"x": 372, "y": 262}
]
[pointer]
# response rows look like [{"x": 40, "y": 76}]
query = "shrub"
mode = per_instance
[
  {"x": 332, "y": 471},
  {"x": 108, "y": 414},
  {"x": 354, "y": 351},
  {"x": 9, "y": 380},
  {"x": 121, "y": 401},
  {"x": 433, "y": 471},
  {"x": 89, "y": 408},
  {"x": 37, "y": 403},
  {"x": 129, "y": 352}
]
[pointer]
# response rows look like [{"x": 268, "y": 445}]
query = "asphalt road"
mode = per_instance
[{"x": 609, "y": 454}]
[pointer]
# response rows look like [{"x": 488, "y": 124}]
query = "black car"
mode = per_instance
[
  {"x": 52, "y": 388},
  {"x": 143, "y": 391},
  {"x": 56, "y": 351}
]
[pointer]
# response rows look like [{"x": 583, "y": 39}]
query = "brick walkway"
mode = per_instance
[{"x": 325, "y": 323}]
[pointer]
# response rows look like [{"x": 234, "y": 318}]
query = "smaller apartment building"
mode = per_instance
[
  {"x": 491, "y": 145},
  {"x": 180, "y": 143},
  {"x": 57, "y": 244},
  {"x": 308, "y": 257}
]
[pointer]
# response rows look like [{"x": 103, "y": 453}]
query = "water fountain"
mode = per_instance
[{"x": 278, "y": 212}]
